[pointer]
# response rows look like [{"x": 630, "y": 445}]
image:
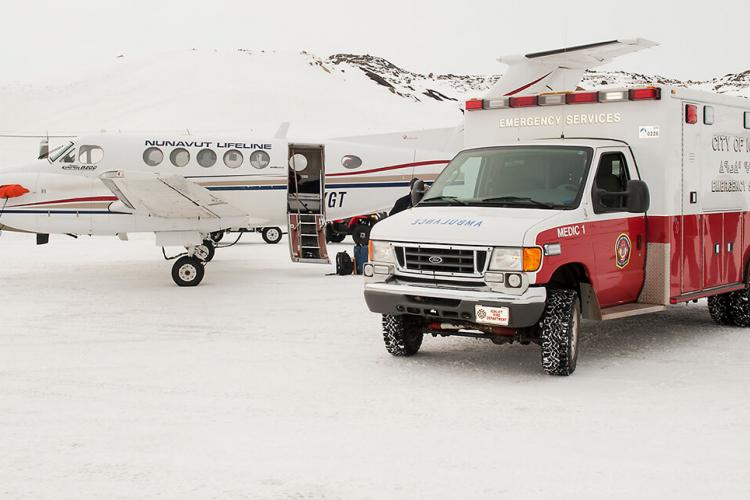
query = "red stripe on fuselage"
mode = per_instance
[
  {"x": 70, "y": 200},
  {"x": 392, "y": 167}
]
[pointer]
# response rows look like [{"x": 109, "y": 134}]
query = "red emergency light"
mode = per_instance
[
  {"x": 474, "y": 104},
  {"x": 647, "y": 94},
  {"x": 691, "y": 114},
  {"x": 524, "y": 101},
  {"x": 582, "y": 98}
]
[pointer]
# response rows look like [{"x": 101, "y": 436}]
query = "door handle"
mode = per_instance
[
  {"x": 638, "y": 242},
  {"x": 717, "y": 248}
]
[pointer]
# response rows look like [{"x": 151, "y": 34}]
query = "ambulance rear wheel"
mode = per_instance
[
  {"x": 361, "y": 234},
  {"x": 739, "y": 307},
  {"x": 271, "y": 235},
  {"x": 560, "y": 328},
  {"x": 206, "y": 251},
  {"x": 402, "y": 334},
  {"x": 188, "y": 271},
  {"x": 719, "y": 307}
]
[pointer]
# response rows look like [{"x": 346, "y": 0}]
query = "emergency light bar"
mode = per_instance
[{"x": 556, "y": 99}]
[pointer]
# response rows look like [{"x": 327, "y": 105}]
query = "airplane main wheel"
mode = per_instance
[
  {"x": 188, "y": 271},
  {"x": 271, "y": 235},
  {"x": 206, "y": 251}
]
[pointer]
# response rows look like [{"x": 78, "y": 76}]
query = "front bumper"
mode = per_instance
[{"x": 451, "y": 304}]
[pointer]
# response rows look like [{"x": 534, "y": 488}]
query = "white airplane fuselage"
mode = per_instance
[{"x": 67, "y": 196}]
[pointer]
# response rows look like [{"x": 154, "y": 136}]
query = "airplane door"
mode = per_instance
[{"x": 306, "y": 203}]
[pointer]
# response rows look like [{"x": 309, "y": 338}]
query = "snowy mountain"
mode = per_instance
[{"x": 251, "y": 92}]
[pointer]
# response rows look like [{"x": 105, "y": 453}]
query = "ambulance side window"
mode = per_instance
[{"x": 612, "y": 176}]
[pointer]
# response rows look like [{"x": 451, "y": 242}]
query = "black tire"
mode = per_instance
[
  {"x": 188, "y": 271},
  {"x": 271, "y": 235},
  {"x": 739, "y": 307},
  {"x": 719, "y": 307},
  {"x": 206, "y": 251},
  {"x": 361, "y": 234},
  {"x": 402, "y": 334},
  {"x": 217, "y": 236},
  {"x": 559, "y": 330},
  {"x": 333, "y": 237}
]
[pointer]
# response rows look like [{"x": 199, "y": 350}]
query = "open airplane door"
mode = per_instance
[{"x": 305, "y": 204}]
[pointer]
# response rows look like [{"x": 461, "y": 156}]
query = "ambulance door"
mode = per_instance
[
  {"x": 618, "y": 237},
  {"x": 697, "y": 233}
]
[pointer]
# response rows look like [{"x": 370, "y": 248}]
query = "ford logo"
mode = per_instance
[{"x": 435, "y": 259}]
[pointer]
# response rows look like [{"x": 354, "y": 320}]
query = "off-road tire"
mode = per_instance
[
  {"x": 719, "y": 307},
  {"x": 188, "y": 271},
  {"x": 559, "y": 331},
  {"x": 271, "y": 235},
  {"x": 334, "y": 237},
  {"x": 402, "y": 334},
  {"x": 739, "y": 307},
  {"x": 361, "y": 234}
]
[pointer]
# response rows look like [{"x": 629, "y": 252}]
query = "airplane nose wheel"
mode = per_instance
[{"x": 188, "y": 271}]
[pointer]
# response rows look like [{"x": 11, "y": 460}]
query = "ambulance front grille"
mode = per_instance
[{"x": 446, "y": 261}]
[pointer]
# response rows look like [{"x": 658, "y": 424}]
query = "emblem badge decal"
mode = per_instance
[
  {"x": 622, "y": 251},
  {"x": 435, "y": 259}
]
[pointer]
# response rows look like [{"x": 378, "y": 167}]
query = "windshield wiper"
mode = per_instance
[
  {"x": 519, "y": 200},
  {"x": 450, "y": 199}
]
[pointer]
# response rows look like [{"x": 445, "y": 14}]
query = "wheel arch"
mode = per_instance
[{"x": 576, "y": 276}]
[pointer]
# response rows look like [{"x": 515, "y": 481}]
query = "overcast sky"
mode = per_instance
[{"x": 699, "y": 39}]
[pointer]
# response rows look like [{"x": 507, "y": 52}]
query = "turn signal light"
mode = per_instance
[{"x": 532, "y": 258}]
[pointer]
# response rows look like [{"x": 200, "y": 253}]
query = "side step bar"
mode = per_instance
[{"x": 627, "y": 310}]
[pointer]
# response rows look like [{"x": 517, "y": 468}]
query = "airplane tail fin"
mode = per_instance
[{"x": 559, "y": 70}]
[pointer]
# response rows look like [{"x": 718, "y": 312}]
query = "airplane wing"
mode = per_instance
[
  {"x": 559, "y": 70},
  {"x": 169, "y": 196}
]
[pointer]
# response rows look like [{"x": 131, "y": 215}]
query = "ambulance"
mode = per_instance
[{"x": 566, "y": 206}]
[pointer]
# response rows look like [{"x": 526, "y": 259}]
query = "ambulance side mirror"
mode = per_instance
[
  {"x": 638, "y": 199},
  {"x": 418, "y": 191}
]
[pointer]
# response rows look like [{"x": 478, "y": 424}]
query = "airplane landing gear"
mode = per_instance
[
  {"x": 206, "y": 251},
  {"x": 188, "y": 271}
]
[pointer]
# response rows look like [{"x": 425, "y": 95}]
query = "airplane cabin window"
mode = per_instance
[
  {"x": 153, "y": 156},
  {"x": 351, "y": 161},
  {"x": 179, "y": 157},
  {"x": 88, "y": 155},
  {"x": 206, "y": 158},
  {"x": 233, "y": 158},
  {"x": 259, "y": 159}
]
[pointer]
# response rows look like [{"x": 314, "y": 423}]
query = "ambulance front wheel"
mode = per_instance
[
  {"x": 560, "y": 328},
  {"x": 402, "y": 334},
  {"x": 271, "y": 235},
  {"x": 188, "y": 271}
]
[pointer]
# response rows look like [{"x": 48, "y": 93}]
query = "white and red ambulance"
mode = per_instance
[{"x": 596, "y": 205}]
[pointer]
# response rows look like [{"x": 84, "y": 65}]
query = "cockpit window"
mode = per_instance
[
  {"x": 56, "y": 153},
  {"x": 88, "y": 155}
]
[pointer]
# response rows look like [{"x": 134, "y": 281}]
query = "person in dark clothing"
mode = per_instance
[{"x": 403, "y": 203}]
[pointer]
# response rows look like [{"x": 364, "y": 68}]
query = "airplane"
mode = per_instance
[{"x": 188, "y": 189}]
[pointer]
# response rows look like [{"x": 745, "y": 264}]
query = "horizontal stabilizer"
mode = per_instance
[{"x": 559, "y": 70}]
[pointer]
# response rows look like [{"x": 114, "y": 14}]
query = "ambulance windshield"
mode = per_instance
[{"x": 550, "y": 177}]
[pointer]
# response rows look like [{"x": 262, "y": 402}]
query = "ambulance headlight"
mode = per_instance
[
  {"x": 381, "y": 251},
  {"x": 527, "y": 259},
  {"x": 506, "y": 259}
]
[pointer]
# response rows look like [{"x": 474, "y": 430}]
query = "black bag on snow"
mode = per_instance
[{"x": 344, "y": 264}]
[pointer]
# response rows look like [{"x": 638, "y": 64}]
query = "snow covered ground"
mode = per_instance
[{"x": 270, "y": 380}]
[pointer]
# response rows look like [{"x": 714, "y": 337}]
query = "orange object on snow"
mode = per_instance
[{"x": 12, "y": 191}]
